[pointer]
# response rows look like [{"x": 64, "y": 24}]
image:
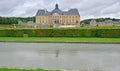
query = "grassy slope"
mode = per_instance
[
  {"x": 59, "y": 39},
  {"x": 7, "y": 69}
]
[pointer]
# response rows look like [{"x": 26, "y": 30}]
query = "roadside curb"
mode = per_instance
[{"x": 61, "y": 42}]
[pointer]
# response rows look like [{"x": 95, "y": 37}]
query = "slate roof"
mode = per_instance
[
  {"x": 57, "y": 11},
  {"x": 43, "y": 12},
  {"x": 116, "y": 22}
]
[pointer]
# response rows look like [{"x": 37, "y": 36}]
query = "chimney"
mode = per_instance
[{"x": 45, "y": 10}]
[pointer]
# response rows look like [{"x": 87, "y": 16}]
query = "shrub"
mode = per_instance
[{"x": 114, "y": 33}]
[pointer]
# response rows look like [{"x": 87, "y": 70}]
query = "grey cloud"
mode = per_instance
[
  {"x": 7, "y": 6},
  {"x": 111, "y": 9},
  {"x": 87, "y": 8}
]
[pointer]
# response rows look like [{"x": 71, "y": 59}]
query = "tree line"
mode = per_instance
[
  {"x": 87, "y": 21},
  {"x": 14, "y": 20}
]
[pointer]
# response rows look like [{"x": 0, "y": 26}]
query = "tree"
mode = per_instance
[{"x": 14, "y": 20}]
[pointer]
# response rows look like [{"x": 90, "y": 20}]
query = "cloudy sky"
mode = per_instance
[{"x": 87, "y": 8}]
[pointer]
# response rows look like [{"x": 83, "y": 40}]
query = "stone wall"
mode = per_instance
[{"x": 62, "y": 19}]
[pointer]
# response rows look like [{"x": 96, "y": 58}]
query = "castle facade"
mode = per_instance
[{"x": 57, "y": 16}]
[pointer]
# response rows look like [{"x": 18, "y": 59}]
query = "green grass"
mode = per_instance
[
  {"x": 59, "y": 39},
  {"x": 9, "y": 69}
]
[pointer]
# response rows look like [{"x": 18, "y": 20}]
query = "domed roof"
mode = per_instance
[
  {"x": 56, "y": 10},
  {"x": 44, "y": 12}
]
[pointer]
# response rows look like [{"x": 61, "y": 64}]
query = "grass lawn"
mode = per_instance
[
  {"x": 59, "y": 39},
  {"x": 7, "y": 69}
]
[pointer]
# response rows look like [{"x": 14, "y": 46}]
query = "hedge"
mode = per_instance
[{"x": 114, "y": 33}]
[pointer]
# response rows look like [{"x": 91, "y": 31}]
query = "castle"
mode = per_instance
[
  {"x": 105, "y": 23},
  {"x": 57, "y": 16}
]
